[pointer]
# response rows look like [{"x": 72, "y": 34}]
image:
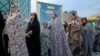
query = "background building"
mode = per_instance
[
  {"x": 73, "y": 11},
  {"x": 66, "y": 16},
  {"x": 25, "y": 6},
  {"x": 5, "y": 6}
]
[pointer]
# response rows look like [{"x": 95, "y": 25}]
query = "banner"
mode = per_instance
[{"x": 44, "y": 11}]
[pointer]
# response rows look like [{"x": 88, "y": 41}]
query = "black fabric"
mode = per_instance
[
  {"x": 76, "y": 51},
  {"x": 33, "y": 43},
  {"x": 65, "y": 26},
  {"x": 6, "y": 43},
  {"x": 2, "y": 24},
  {"x": 49, "y": 52},
  {"x": 96, "y": 45}
]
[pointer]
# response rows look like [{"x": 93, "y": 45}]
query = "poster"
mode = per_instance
[{"x": 44, "y": 11}]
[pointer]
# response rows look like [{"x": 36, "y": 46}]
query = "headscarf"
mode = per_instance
[
  {"x": 34, "y": 23},
  {"x": 15, "y": 8},
  {"x": 36, "y": 18}
]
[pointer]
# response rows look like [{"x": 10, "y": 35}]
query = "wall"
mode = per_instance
[
  {"x": 24, "y": 4},
  {"x": 5, "y": 6}
]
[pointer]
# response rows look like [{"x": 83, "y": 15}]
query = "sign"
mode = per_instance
[{"x": 44, "y": 11}]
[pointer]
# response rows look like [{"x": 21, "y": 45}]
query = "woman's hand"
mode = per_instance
[
  {"x": 72, "y": 22},
  {"x": 27, "y": 35}
]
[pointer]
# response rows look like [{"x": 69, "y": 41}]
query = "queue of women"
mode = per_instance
[{"x": 79, "y": 37}]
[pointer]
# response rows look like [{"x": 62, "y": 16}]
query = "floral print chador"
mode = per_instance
[
  {"x": 59, "y": 40},
  {"x": 16, "y": 33}
]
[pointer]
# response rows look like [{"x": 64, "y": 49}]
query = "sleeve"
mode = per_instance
[
  {"x": 6, "y": 26},
  {"x": 35, "y": 29},
  {"x": 30, "y": 32}
]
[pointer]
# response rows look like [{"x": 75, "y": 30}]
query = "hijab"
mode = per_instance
[
  {"x": 15, "y": 8},
  {"x": 35, "y": 21}
]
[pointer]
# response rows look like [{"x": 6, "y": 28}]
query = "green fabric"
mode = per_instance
[
  {"x": 45, "y": 42},
  {"x": 93, "y": 23}
]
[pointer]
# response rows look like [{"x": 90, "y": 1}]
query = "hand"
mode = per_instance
[
  {"x": 73, "y": 22},
  {"x": 27, "y": 35}
]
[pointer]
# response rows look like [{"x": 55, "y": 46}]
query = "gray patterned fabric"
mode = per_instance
[
  {"x": 88, "y": 39},
  {"x": 45, "y": 42},
  {"x": 58, "y": 39},
  {"x": 16, "y": 33},
  {"x": 97, "y": 37}
]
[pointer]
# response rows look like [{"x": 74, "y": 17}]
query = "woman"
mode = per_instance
[
  {"x": 33, "y": 36},
  {"x": 87, "y": 37},
  {"x": 16, "y": 33},
  {"x": 74, "y": 36},
  {"x": 45, "y": 40},
  {"x": 2, "y": 45},
  {"x": 58, "y": 38}
]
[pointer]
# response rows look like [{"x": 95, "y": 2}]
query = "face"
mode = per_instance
[
  {"x": 97, "y": 18},
  {"x": 72, "y": 16},
  {"x": 84, "y": 21},
  {"x": 53, "y": 15},
  {"x": 45, "y": 25},
  {"x": 32, "y": 16},
  {"x": 81, "y": 22},
  {"x": 14, "y": 8}
]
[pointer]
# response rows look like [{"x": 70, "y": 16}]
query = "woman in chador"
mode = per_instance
[
  {"x": 58, "y": 38},
  {"x": 87, "y": 37},
  {"x": 45, "y": 40},
  {"x": 16, "y": 33},
  {"x": 74, "y": 35},
  {"x": 33, "y": 36}
]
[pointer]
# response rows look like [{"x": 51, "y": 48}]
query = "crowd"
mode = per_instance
[{"x": 77, "y": 38}]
